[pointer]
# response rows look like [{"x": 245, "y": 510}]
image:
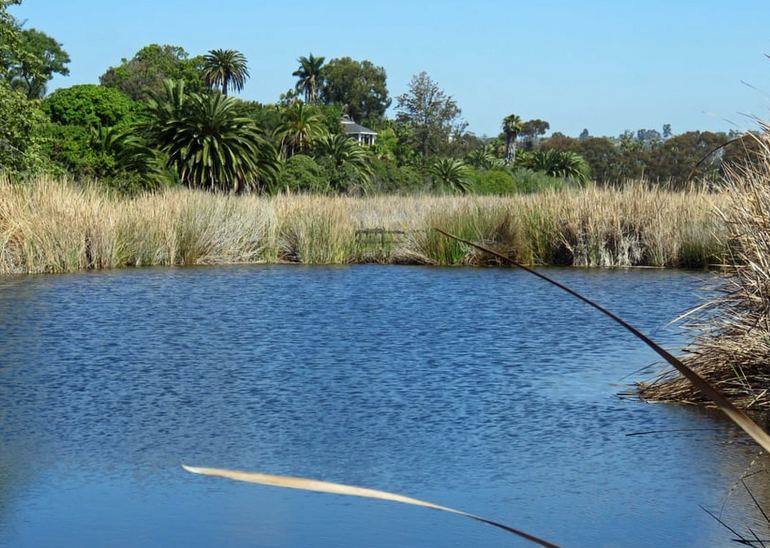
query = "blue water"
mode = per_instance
[{"x": 481, "y": 389}]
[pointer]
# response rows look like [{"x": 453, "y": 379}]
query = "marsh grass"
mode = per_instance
[{"x": 51, "y": 226}]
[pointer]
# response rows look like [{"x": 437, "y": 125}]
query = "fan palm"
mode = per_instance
[
  {"x": 347, "y": 159},
  {"x": 451, "y": 173},
  {"x": 225, "y": 69},
  {"x": 512, "y": 126},
  {"x": 208, "y": 142},
  {"x": 309, "y": 76},
  {"x": 300, "y": 126}
]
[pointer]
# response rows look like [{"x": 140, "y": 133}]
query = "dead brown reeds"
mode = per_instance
[{"x": 731, "y": 347}]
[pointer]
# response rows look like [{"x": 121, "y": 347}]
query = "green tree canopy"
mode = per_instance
[
  {"x": 432, "y": 115},
  {"x": 43, "y": 58},
  {"x": 89, "y": 105},
  {"x": 359, "y": 86},
  {"x": 22, "y": 121},
  {"x": 146, "y": 71},
  {"x": 11, "y": 51}
]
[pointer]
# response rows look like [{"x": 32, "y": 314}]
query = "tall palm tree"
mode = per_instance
[
  {"x": 512, "y": 126},
  {"x": 226, "y": 69},
  {"x": 348, "y": 160},
  {"x": 300, "y": 126},
  {"x": 208, "y": 142},
  {"x": 309, "y": 75}
]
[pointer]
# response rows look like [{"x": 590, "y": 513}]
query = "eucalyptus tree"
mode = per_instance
[
  {"x": 348, "y": 161},
  {"x": 301, "y": 125},
  {"x": 451, "y": 173},
  {"x": 208, "y": 141},
  {"x": 225, "y": 69},
  {"x": 309, "y": 77},
  {"x": 512, "y": 126}
]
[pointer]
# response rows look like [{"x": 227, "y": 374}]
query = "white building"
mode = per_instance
[{"x": 363, "y": 135}]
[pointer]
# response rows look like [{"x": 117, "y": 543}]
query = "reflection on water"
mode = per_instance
[{"x": 481, "y": 389}]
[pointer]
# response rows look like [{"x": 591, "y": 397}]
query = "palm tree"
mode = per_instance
[
  {"x": 300, "y": 126},
  {"x": 226, "y": 69},
  {"x": 512, "y": 125},
  {"x": 125, "y": 151},
  {"x": 483, "y": 158},
  {"x": 309, "y": 74},
  {"x": 452, "y": 173},
  {"x": 208, "y": 142},
  {"x": 559, "y": 163},
  {"x": 348, "y": 160}
]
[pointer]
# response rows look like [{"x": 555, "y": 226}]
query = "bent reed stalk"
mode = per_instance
[
  {"x": 305, "y": 484},
  {"x": 51, "y": 227},
  {"x": 756, "y": 432}
]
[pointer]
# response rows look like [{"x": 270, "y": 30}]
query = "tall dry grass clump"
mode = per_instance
[
  {"x": 52, "y": 226},
  {"x": 732, "y": 344}
]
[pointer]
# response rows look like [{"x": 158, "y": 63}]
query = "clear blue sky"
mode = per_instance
[{"x": 606, "y": 65}]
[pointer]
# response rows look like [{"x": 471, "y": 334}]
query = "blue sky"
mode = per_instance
[{"x": 605, "y": 65}]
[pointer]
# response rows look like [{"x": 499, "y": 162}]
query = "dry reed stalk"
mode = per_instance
[
  {"x": 709, "y": 391},
  {"x": 305, "y": 484}
]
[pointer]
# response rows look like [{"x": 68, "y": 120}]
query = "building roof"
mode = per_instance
[{"x": 351, "y": 128}]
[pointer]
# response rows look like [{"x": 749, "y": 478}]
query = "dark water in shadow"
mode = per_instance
[{"x": 482, "y": 389}]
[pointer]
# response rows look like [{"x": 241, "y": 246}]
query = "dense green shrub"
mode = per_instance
[
  {"x": 89, "y": 105},
  {"x": 492, "y": 181},
  {"x": 528, "y": 181},
  {"x": 301, "y": 173},
  {"x": 390, "y": 178},
  {"x": 69, "y": 148}
]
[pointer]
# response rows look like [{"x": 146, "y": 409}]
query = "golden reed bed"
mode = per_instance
[{"x": 50, "y": 226}]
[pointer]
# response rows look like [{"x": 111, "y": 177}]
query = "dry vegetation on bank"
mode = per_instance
[
  {"x": 50, "y": 227},
  {"x": 731, "y": 349}
]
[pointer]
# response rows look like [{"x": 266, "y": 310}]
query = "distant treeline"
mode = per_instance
[{"x": 165, "y": 117}]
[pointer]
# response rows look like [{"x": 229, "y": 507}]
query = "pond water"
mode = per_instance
[{"x": 481, "y": 389}]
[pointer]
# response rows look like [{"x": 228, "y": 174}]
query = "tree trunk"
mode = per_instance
[{"x": 510, "y": 149}]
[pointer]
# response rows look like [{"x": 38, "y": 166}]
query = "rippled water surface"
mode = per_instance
[{"x": 482, "y": 389}]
